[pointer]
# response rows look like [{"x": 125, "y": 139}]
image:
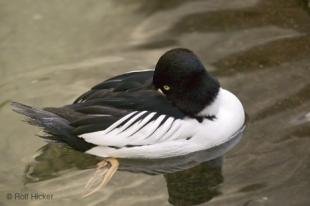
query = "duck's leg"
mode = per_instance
[{"x": 104, "y": 172}]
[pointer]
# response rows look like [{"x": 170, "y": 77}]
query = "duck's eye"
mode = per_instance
[{"x": 166, "y": 87}]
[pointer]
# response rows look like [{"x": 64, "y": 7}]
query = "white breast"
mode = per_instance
[
  {"x": 214, "y": 107},
  {"x": 230, "y": 118}
]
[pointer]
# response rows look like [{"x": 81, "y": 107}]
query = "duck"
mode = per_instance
[{"x": 175, "y": 109}]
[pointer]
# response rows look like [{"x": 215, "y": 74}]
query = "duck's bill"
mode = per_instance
[{"x": 160, "y": 91}]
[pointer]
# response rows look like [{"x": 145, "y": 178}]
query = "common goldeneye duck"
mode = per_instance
[{"x": 174, "y": 110}]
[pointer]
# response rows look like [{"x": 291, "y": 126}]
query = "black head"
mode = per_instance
[{"x": 181, "y": 76}]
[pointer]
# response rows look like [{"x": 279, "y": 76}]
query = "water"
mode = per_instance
[{"x": 53, "y": 51}]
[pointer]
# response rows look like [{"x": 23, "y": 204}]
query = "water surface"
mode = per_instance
[{"x": 260, "y": 49}]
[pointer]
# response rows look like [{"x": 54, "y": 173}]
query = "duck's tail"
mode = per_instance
[
  {"x": 51, "y": 123},
  {"x": 57, "y": 128}
]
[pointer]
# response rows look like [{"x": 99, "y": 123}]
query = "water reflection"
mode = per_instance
[
  {"x": 195, "y": 185},
  {"x": 191, "y": 179}
]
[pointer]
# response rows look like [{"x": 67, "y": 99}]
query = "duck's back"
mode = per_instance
[{"x": 136, "y": 80}]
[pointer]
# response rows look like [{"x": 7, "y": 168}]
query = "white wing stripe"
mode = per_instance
[
  {"x": 154, "y": 125},
  {"x": 131, "y": 130},
  {"x": 146, "y": 131},
  {"x": 142, "y": 123},
  {"x": 147, "y": 118},
  {"x": 132, "y": 119},
  {"x": 160, "y": 132},
  {"x": 176, "y": 125},
  {"x": 118, "y": 122},
  {"x": 145, "y": 70}
]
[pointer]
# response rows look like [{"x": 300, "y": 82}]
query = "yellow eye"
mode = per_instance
[{"x": 166, "y": 87}]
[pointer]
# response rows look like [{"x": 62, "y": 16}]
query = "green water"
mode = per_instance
[{"x": 52, "y": 51}]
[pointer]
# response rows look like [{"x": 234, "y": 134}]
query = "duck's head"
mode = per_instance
[{"x": 181, "y": 76}]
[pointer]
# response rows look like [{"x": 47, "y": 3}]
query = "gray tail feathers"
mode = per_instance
[{"x": 52, "y": 124}]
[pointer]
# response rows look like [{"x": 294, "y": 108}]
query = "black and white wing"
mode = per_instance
[
  {"x": 136, "y": 118},
  {"x": 125, "y": 111},
  {"x": 140, "y": 128},
  {"x": 143, "y": 134}
]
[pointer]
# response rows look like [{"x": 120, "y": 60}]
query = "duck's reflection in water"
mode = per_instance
[
  {"x": 191, "y": 179},
  {"x": 196, "y": 185}
]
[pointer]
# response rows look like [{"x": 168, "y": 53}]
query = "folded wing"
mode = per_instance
[{"x": 140, "y": 128}]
